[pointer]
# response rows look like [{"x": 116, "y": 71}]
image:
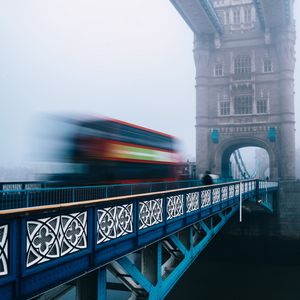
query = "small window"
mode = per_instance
[
  {"x": 224, "y": 108},
  {"x": 267, "y": 65},
  {"x": 242, "y": 65},
  {"x": 261, "y": 106},
  {"x": 227, "y": 17},
  {"x": 219, "y": 69},
  {"x": 243, "y": 105},
  {"x": 247, "y": 15},
  {"x": 236, "y": 16}
]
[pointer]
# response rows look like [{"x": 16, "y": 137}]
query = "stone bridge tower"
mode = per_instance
[{"x": 244, "y": 57}]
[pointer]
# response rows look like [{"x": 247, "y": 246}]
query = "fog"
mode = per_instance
[{"x": 131, "y": 60}]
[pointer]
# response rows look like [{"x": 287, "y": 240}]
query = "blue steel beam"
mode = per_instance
[
  {"x": 205, "y": 6},
  {"x": 101, "y": 281},
  {"x": 45, "y": 246},
  {"x": 163, "y": 286},
  {"x": 260, "y": 13},
  {"x": 212, "y": 15},
  {"x": 273, "y": 13}
]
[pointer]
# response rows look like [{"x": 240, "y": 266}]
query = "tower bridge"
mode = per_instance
[{"x": 244, "y": 58}]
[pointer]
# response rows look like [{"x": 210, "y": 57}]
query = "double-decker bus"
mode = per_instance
[{"x": 105, "y": 150}]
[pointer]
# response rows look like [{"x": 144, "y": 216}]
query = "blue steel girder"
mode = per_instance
[
  {"x": 274, "y": 13},
  {"x": 200, "y": 15},
  {"x": 42, "y": 247},
  {"x": 164, "y": 285}
]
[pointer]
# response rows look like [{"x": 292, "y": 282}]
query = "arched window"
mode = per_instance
[{"x": 242, "y": 65}]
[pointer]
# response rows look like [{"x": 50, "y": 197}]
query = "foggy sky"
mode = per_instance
[{"x": 130, "y": 60}]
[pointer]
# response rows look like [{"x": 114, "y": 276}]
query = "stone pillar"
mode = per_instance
[
  {"x": 286, "y": 58},
  {"x": 201, "y": 55}
]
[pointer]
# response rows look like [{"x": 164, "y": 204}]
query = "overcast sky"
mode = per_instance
[{"x": 131, "y": 60}]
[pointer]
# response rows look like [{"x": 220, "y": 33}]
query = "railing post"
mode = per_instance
[
  {"x": 267, "y": 192},
  {"x": 241, "y": 201},
  {"x": 101, "y": 288},
  {"x": 27, "y": 199},
  {"x": 257, "y": 189}
]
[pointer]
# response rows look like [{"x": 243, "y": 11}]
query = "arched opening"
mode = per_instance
[
  {"x": 221, "y": 157},
  {"x": 249, "y": 162},
  {"x": 250, "y": 149}
]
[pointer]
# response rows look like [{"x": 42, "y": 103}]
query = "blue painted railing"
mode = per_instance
[
  {"x": 44, "y": 246},
  {"x": 29, "y": 194},
  {"x": 265, "y": 194}
]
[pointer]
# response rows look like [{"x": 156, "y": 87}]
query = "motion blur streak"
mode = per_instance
[{"x": 105, "y": 150}]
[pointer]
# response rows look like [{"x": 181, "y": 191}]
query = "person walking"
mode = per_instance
[{"x": 207, "y": 179}]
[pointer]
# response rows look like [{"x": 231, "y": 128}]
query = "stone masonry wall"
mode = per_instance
[
  {"x": 288, "y": 206},
  {"x": 284, "y": 224}
]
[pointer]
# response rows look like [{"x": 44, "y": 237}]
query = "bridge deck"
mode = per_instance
[{"x": 41, "y": 247}]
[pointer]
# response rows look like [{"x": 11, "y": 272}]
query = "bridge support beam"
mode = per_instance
[
  {"x": 150, "y": 263},
  {"x": 155, "y": 280},
  {"x": 92, "y": 286},
  {"x": 184, "y": 237}
]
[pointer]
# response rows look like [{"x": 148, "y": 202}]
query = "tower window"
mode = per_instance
[
  {"x": 243, "y": 105},
  {"x": 242, "y": 65},
  {"x": 227, "y": 17},
  {"x": 236, "y": 16},
  {"x": 224, "y": 108},
  {"x": 268, "y": 65},
  {"x": 219, "y": 69},
  {"x": 247, "y": 15},
  {"x": 261, "y": 106}
]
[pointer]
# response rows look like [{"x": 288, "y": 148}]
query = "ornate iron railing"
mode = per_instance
[{"x": 41, "y": 247}]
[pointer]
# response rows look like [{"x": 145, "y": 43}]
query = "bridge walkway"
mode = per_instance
[{"x": 44, "y": 246}]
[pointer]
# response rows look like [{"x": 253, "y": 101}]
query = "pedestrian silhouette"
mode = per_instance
[{"x": 206, "y": 179}]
